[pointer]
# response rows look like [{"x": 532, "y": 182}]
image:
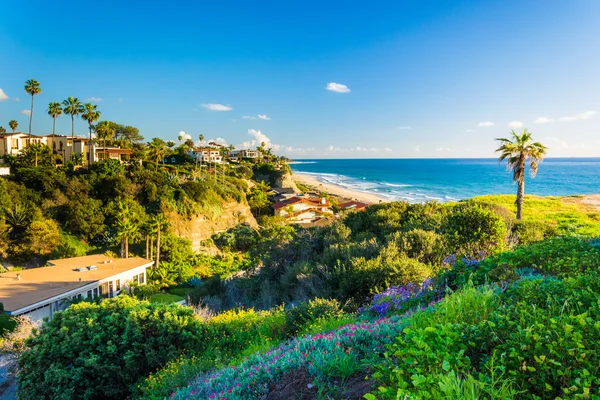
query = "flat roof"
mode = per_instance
[{"x": 39, "y": 284}]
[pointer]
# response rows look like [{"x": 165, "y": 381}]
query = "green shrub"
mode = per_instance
[
  {"x": 527, "y": 232},
  {"x": 472, "y": 230},
  {"x": 101, "y": 350},
  {"x": 298, "y": 317},
  {"x": 426, "y": 246}
]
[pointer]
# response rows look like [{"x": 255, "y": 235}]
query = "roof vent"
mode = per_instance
[
  {"x": 81, "y": 269},
  {"x": 92, "y": 268}
]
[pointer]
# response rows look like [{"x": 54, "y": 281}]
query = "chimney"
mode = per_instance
[
  {"x": 18, "y": 277},
  {"x": 323, "y": 200},
  {"x": 79, "y": 279}
]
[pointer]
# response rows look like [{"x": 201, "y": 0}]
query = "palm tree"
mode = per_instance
[
  {"x": 13, "y": 125},
  {"x": 158, "y": 223},
  {"x": 105, "y": 130},
  {"x": 54, "y": 110},
  {"x": 32, "y": 87},
  {"x": 517, "y": 151},
  {"x": 72, "y": 107},
  {"x": 91, "y": 115},
  {"x": 157, "y": 150}
]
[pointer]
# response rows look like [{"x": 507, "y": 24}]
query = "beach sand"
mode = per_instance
[{"x": 335, "y": 190}]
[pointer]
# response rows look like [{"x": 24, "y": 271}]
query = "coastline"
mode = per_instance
[{"x": 336, "y": 190}]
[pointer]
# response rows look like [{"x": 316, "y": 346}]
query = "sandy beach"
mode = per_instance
[{"x": 335, "y": 190}]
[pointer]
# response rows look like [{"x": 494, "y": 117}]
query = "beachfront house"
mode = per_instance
[
  {"x": 206, "y": 154},
  {"x": 303, "y": 210},
  {"x": 353, "y": 205},
  {"x": 41, "y": 292},
  {"x": 250, "y": 155}
]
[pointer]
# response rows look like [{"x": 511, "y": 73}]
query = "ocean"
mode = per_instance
[{"x": 419, "y": 180}]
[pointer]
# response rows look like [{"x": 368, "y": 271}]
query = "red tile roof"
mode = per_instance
[
  {"x": 354, "y": 205},
  {"x": 315, "y": 202}
]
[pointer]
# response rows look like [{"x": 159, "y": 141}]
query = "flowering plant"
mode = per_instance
[{"x": 398, "y": 299}]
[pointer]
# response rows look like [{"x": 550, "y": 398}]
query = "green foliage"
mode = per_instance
[
  {"x": 527, "y": 232},
  {"x": 304, "y": 313},
  {"x": 472, "y": 229},
  {"x": 425, "y": 246},
  {"x": 101, "y": 350},
  {"x": 239, "y": 238},
  {"x": 7, "y": 323}
]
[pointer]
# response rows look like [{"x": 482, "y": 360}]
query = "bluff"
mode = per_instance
[{"x": 201, "y": 227}]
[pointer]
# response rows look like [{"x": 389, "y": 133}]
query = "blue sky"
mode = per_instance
[{"x": 411, "y": 78}]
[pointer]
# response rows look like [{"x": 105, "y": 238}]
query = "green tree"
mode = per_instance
[
  {"x": 2, "y": 130},
  {"x": 157, "y": 150},
  {"x": 517, "y": 152},
  {"x": 105, "y": 130},
  {"x": 129, "y": 219},
  {"x": 55, "y": 111},
  {"x": 158, "y": 223},
  {"x": 33, "y": 88},
  {"x": 36, "y": 154},
  {"x": 90, "y": 115},
  {"x": 13, "y": 125},
  {"x": 101, "y": 351},
  {"x": 43, "y": 236},
  {"x": 73, "y": 107}
]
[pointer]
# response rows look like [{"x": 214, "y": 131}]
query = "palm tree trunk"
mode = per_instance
[
  {"x": 152, "y": 248},
  {"x": 30, "y": 119},
  {"x": 520, "y": 195},
  {"x": 127, "y": 246},
  {"x": 157, "y": 247},
  {"x": 122, "y": 248},
  {"x": 147, "y": 239},
  {"x": 90, "y": 148},
  {"x": 54, "y": 126},
  {"x": 72, "y": 129}
]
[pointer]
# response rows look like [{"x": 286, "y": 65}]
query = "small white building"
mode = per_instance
[
  {"x": 303, "y": 210},
  {"x": 41, "y": 292},
  {"x": 207, "y": 155}
]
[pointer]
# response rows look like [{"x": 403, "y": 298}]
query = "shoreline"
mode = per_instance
[{"x": 336, "y": 190}]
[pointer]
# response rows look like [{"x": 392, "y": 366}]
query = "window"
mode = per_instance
[
  {"x": 96, "y": 292},
  {"x": 15, "y": 144},
  {"x": 110, "y": 289},
  {"x": 117, "y": 285},
  {"x": 104, "y": 289},
  {"x": 89, "y": 294}
]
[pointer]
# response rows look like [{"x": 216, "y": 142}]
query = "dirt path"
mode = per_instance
[{"x": 592, "y": 201}]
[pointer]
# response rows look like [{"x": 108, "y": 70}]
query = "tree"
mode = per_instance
[
  {"x": 2, "y": 130},
  {"x": 130, "y": 134},
  {"x": 102, "y": 350},
  {"x": 33, "y": 88},
  {"x": 13, "y": 125},
  {"x": 43, "y": 236},
  {"x": 91, "y": 115},
  {"x": 54, "y": 110},
  {"x": 35, "y": 154},
  {"x": 105, "y": 130},
  {"x": 129, "y": 218},
  {"x": 72, "y": 107},
  {"x": 158, "y": 223},
  {"x": 157, "y": 150},
  {"x": 517, "y": 151}
]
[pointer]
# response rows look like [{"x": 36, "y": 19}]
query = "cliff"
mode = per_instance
[{"x": 200, "y": 227}]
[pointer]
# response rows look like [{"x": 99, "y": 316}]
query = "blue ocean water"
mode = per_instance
[{"x": 419, "y": 180}]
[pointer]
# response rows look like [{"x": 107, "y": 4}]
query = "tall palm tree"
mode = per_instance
[
  {"x": 33, "y": 88},
  {"x": 54, "y": 110},
  {"x": 158, "y": 222},
  {"x": 157, "y": 150},
  {"x": 13, "y": 125},
  {"x": 517, "y": 151},
  {"x": 91, "y": 115},
  {"x": 72, "y": 107},
  {"x": 105, "y": 130}
]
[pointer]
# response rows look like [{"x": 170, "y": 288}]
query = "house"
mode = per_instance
[
  {"x": 283, "y": 193},
  {"x": 4, "y": 171},
  {"x": 67, "y": 146},
  {"x": 13, "y": 143},
  {"x": 206, "y": 154},
  {"x": 41, "y": 292},
  {"x": 353, "y": 205},
  {"x": 114, "y": 153},
  {"x": 303, "y": 210},
  {"x": 246, "y": 154}
]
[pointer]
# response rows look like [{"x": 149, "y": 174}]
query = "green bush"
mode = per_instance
[
  {"x": 473, "y": 230},
  {"x": 101, "y": 350},
  {"x": 298, "y": 317},
  {"x": 527, "y": 232},
  {"x": 426, "y": 246}
]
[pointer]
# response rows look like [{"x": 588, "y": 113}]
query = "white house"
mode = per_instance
[
  {"x": 207, "y": 154},
  {"x": 303, "y": 210},
  {"x": 41, "y": 292},
  {"x": 14, "y": 143}
]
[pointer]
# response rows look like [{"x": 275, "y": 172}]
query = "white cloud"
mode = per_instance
[
  {"x": 443, "y": 149},
  {"x": 26, "y": 112},
  {"x": 486, "y": 124},
  {"x": 95, "y": 99},
  {"x": 584, "y": 115},
  {"x": 220, "y": 141},
  {"x": 417, "y": 148},
  {"x": 404, "y": 128},
  {"x": 260, "y": 138},
  {"x": 184, "y": 136},
  {"x": 216, "y": 107},
  {"x": 543, "y": 120},
  {"x": 259, "y": 116},
  {"x": 3, "y": 95},
  {"x": 337, "y": 87},
  {"x": 515, "y": 124}
]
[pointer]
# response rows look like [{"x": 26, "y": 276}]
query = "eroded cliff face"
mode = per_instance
[
  {"x": 200, "y": 228},
  {"x": 286, "y": 181}
]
